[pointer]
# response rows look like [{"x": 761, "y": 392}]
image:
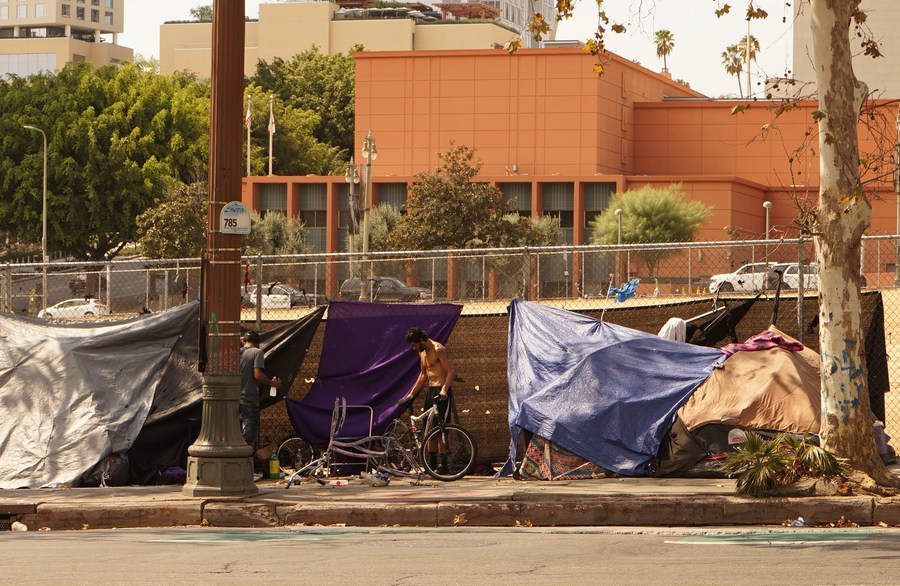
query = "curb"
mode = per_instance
[{"x": 612, "y": 510}]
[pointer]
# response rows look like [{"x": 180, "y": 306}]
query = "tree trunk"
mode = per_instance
[{"x": 843, "y": 215}]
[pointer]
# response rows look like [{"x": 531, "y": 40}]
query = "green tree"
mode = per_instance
[
  {"x": 734, "y": 65},
  {"x": 176, "y": 226},
  {"x": 323, "y": 84},
  {"x": 650, "y": 214},
  {"x": 274, "y": 233},
  {"x": 118, "y": 137},
  {"x": 665, "y": 42},
  {"x": 383, "y": 219},
  {"x": 202, "y": 13},
  {"x": 446, "y": 208},
  {"x": 296, "y": 150}
]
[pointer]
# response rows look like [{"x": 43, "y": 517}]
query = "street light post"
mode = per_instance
[
  {"x": 768, "y": 206},
  {"x": 369, "y": 153},
  {"x": 44, "y": 258},
  {"x": 352, "y": 178}
]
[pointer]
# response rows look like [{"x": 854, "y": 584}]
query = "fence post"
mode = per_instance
[
  {"x": 526, "y": 280},
  {"x": 801, "y": 289},
  {"x": 259, "y": 284},
  {"x": 7, "y": 290}
]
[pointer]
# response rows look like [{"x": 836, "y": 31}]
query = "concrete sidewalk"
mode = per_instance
[{"x": 474, "y": 501}]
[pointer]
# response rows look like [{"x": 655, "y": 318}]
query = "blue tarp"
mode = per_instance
[
  {"x": 366, "y": 359},
  {"x": 604, "y": 392}
]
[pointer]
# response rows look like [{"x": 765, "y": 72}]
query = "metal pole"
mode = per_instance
[
  {"x": 220, "y": 463},
  {"x": 619, "y": 242},
  {"x": 369, "y": 153},
  {"x": 897, "y": 191},
  {"x": 768, "y": 206},
  {"x": 749, "y": 84},
  {"x": 247, "y": 123}
]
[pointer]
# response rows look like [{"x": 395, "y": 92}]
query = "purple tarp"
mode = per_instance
[{"x": 366, "y": 359}]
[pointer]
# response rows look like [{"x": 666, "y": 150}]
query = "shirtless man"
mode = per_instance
[{"x": 437, "y": 372}]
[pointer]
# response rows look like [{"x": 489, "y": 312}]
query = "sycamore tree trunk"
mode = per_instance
[{"x": 843, "y": 215}]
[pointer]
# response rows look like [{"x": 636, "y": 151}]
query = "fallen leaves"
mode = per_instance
[{"x": 459, "y": 520}]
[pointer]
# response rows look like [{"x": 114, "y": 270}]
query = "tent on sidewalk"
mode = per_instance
[
  {"x": 769, "y": 384},
  {"x": 366, "y": 360},
  {"x": 607, "y": 393},
  {"x": 72, "y": 395}
]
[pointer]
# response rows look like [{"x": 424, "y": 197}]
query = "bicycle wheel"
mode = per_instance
[
  {"x": 294, "y": 453},
  {"x": 406, "y": 440},
  {"x": 460, "y": 448}
]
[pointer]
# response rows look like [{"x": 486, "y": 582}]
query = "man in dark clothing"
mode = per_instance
[{"x": 253, "y": 372}]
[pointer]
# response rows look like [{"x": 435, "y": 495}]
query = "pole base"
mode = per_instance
[{"x": 219, "y": 477}]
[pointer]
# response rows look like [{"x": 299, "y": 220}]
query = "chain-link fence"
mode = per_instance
[{"x": 670, "y": 280}]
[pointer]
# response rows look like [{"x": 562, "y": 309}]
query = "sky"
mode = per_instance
[{"x": 700, "y": 38}]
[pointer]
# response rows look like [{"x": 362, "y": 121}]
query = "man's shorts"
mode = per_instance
[{"x": 444, "y": 407}]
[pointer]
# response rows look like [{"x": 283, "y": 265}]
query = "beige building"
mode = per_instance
[
  {"x": 44, "y": 35},
  {"x": 287, "y": 28},
  {"x": 882, "y": 75}
]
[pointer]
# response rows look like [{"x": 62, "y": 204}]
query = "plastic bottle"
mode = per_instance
[
  {"x": 17, "y": 526},
  {"x": 339, "y": 482},
  {"x": 274, "y": 466}
]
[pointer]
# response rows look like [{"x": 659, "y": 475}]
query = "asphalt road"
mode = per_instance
[{"x": 459, "y": 556}]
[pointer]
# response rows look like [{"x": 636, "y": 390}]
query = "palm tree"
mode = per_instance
[
  {"x": 734, "y": 64},
  {"x": 665, "y": 42}
]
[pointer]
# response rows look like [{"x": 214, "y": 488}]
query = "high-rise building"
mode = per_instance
[
  {"x": 881, "y": 74},
  {"x": 285, "y": 29},
  {"x": 44, "y": 35}
]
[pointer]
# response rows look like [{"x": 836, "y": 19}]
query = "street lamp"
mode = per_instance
[
  {"x": 619, "y": 222},
  {"x": 768, "y": 206},
  {"x": 44, "y": 258},
  {"x": 352, "y": 178},
  {"x": 369, "y": 153}
]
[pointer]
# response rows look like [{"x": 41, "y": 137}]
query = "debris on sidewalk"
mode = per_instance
[
  {"x": 376, "y": 479},
  {"x": 19, "y": 526},
  {"x": 459, "y": 520},
  {"x": 798, "y": 522}
]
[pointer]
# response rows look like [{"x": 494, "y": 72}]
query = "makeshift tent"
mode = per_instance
[
  {"x": 175, "y": 415},
  {"x": 73, "y": 394},
  {"x": 365, "y": 358},
  {"x": 606, "y": 393}
]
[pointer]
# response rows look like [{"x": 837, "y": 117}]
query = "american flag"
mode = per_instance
[
  {"x": 271, "y": 119},
  {"x": 248, "y": 119}
]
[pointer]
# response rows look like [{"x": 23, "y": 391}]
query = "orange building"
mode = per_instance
[{"x": 560, "y": 140}]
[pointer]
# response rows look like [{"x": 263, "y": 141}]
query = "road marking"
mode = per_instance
[
  {"x": 783, "y": 537},
  {"x": 233, "y": 536}
]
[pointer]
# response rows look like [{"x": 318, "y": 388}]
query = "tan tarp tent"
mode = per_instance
[{"x": 772, "y": 389}]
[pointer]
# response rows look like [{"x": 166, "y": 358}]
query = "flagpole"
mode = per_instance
[
  {"x": 247, "y": 123},
  {"x": 271, "y": 131}
]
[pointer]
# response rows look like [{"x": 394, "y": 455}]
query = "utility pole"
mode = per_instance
[{"x": 220, "y": 463}]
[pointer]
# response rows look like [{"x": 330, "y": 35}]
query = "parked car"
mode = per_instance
[
  {"x": 750, "y": 278},
  {"x": 75, "y": 308},
  {"x": 385, "y": 290},
  {"x": 790, "y": 275},
  {"x": 280, "y": 296}
]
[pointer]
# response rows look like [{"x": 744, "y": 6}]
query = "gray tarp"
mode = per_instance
[{"x": 72, "y": 394}]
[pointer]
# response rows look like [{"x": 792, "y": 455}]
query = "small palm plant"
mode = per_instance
[{"x": 761, "y": 465}]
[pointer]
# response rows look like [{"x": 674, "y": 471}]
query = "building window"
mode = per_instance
[
  {"x": 393, "y": 194},
  {"x": 79, "y": 13},
  {"x": 95, "y": 16},
  {"x": 272, "y": 197},
  {"x": 21, "y": 11},
  {"x": 313, "y": 205},
  {"x": 40, "y": 10},
  {"x": 108, "y": 4},
  {"x": 559, "y": 199},
  {"x": 596, "y": 200},
  {"x": 95, "y": 2},
  {"x": 519, "y": 196},
  {"x": 65, "y": 10},
  {"x": 107, "y": 18},
  {"x": 4, "y": 12}
]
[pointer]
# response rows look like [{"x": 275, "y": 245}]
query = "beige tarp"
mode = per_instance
[{"x": 760, "y": 389}]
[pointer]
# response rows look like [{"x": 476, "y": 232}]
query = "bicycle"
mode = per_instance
[
  {"x": 455, "y": 441},
  {"x": 379, "y": 453}
]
